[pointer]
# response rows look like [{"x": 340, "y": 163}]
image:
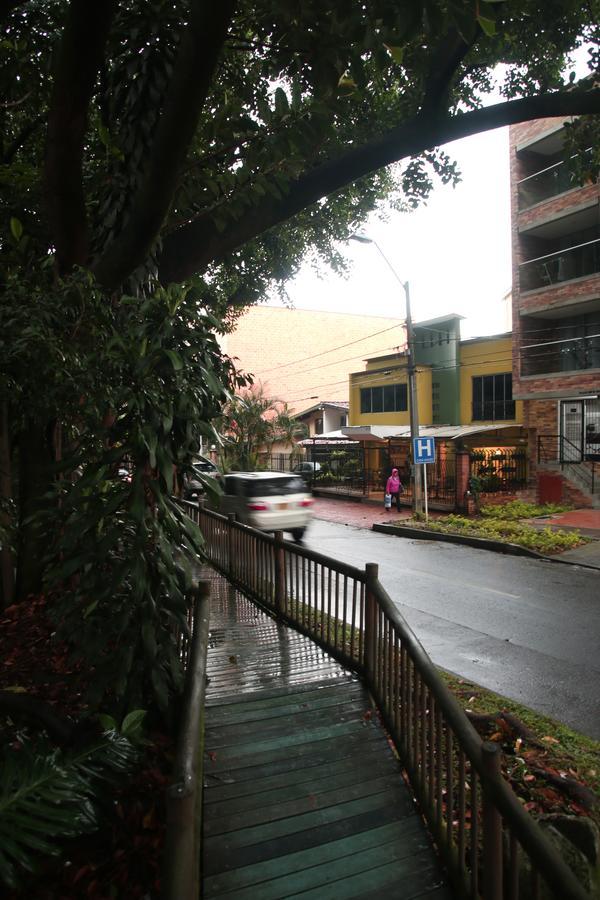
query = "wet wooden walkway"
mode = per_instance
[{"x": 303, "y": 794}]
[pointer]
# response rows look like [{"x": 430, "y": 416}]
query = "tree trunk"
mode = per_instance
[
  {"x": 36, "y": 460},
  {"x": 7, "y": 563}
]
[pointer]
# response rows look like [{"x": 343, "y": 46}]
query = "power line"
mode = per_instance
[{"x": 333, "y": 349}]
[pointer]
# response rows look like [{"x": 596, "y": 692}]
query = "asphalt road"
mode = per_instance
[{"x": 525, "y": 628}]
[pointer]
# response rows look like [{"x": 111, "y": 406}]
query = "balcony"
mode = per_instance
[
  {"x": 547, "y": 183},
  {"x": 562, "y": 356},
  {"x": 564, "y": 265}
]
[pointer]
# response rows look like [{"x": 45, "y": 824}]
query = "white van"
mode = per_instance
[{"x": 269, "y": 501}]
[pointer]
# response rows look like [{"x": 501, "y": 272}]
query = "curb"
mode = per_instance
[{"x": 479, "y": 543}]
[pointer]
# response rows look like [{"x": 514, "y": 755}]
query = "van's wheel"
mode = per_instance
[{"x": 298, "y": 534}]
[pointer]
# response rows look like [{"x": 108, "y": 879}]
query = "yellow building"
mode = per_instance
[
  {"x": 379, "y": 394},
  {"x": 486, "y": 382}
]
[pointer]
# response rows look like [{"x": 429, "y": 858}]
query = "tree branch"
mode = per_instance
[
  {"x": 196, "y": 245},
  {"x": 79, "y": 58},
  {"x": 444, "y": 63},
  {"x": 198, "y": 57}
]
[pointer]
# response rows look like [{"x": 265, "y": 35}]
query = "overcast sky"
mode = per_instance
[{"x": 454, "y": 251}]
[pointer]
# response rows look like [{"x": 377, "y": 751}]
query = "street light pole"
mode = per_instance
[{"x": 413, "y": 405}]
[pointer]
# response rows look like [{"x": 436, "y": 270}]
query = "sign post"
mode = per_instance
[{"x": 424, "y": 453}]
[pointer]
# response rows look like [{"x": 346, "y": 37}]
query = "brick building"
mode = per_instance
[
  {"x": 302, "y": 356},
  {"x": 556, "y": 312}
]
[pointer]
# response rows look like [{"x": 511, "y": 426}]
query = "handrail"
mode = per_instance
[
  {"x": 562, "y": 252},
  {"x": 182, "y": 854},
  {"x": 490, "y": 844}
]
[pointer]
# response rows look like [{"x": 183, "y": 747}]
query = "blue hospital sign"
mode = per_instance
[{"x": 424, "y": 449}]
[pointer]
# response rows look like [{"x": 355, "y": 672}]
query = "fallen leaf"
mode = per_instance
[
  {"x": 233, "y": 660},
  {"x": 212, "y": 756},
  {"x": 550, "y": 740}
]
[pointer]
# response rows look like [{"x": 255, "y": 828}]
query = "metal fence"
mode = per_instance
[
  {"x": 491, "y": 846},
  {"x": 499, "y": 470},
  {"x": 555, "y": 448}
]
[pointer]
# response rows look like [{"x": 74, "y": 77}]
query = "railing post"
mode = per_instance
[
  {"x": 492, "y": 826},
  {"x": 372, "y": 573},
  {"x": 279, "y": 573},
  {"x": 230, "y": 543}
]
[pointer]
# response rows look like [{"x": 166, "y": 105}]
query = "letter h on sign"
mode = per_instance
[{"x": 424, "y": 449}]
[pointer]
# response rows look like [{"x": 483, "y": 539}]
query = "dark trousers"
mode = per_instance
[{"x": 396, "y": 500}]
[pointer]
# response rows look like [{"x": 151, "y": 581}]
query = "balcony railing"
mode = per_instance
[
  {"x": 564, "y": 265},
  {"x": 567, "y": 355},
  {"x": 544, "y": 184}
]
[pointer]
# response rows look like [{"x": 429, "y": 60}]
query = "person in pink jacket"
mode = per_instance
[{"x": 394, "y": 487}]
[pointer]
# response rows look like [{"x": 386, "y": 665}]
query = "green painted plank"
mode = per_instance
[
  {"x": 266, "y": 708},
  {"x": 236, "y": 732},
  {"x": 257, "y": 833},
  {"x": 282, "y": 691},
  {"x": 217, "y": 857},
  {"x": 405, "y": 879},
  {"x": 365, "y": 865},
  {"x": 300, "y": 756},
  {"x": 234, "y": 819},
  {"x": 279, "y": 744},
  {"x": 408, "y": 833},
  {"x": 293, "y": 784}
]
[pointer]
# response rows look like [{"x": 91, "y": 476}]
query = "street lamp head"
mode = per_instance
[{"x": 361, "y": 238}]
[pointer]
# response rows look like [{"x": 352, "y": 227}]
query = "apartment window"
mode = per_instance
[
  {"x": 492, "y": 398},
  {"x": 389, "y": 398},
  {"x": 343, "y": 421},
  {"x": 318, "y": 426}
]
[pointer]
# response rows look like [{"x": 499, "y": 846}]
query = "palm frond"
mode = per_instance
[{"x": 47, "y": 795}]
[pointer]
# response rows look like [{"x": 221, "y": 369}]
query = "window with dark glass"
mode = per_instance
[
  {"x": 318, "y": 426},
  {"x": 492, "y": 397},
  {"x": 390, "y": 398}
]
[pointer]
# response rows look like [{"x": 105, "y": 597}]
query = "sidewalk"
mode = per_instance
[{"x": 366, "y": 514}]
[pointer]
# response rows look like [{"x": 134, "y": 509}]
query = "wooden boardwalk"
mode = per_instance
[{"x": 303, "y": 794}]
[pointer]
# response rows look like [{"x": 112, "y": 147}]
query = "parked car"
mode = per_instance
[
  {"x": 307, "y": 470},
  {"x": 194, "y": 480},
  {"x": 269, "y": 501}
]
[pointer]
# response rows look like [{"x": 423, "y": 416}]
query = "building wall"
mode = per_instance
[
  {"x": 483, "y": 357},
  {"x": 542, "y": 307},
  {"x": 385, "y": 375},
  {"x": 302, "y": 356},
  {"x": 436, "y": 344}
]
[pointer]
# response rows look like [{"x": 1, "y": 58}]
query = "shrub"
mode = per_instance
[{"x": 520, "y": 509}]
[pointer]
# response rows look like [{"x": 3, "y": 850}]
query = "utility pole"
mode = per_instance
[{"x": 413, "y": 405}]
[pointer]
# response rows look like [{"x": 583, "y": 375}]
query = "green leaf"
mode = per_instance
[
  {"x": 107, "y": 722},
  {"x": 281, "y": 102},
  {"x": 397, "y": 53},
  {"x": 488, "y": 26},
  {"x": 132, "y": 723},
  {"x": 16, "y": 228},
  {"x": 176, "y": 360}
]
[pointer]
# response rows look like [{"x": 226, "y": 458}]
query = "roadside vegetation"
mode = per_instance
[
  {"x": 506, "y": 523},
  {"x": 552, "y": 768}
]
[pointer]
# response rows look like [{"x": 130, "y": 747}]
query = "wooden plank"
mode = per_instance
[
  {"x": 407, "y": 834},
  {"x": 344, "y": 710},
  {"x": 249, "y": 710},
  {"x": 218, "y": 858},
  {"x": 292, "y": 758},
  {"x": 281, "y": 809},
  {"x": 277, "y": 745},
  {"x": 405, "y": 879},
  {"x": 304, "y": 821},
  {"x": 256, "y": 790}
]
